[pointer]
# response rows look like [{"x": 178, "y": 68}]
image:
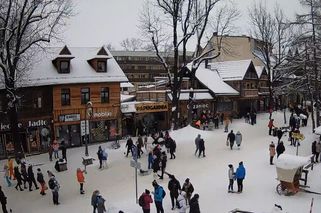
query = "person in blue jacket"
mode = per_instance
[
  {"x": 150, "y": 160},
  {"x": 158, "y": 197},
  {"x": 240, "y": 175}
]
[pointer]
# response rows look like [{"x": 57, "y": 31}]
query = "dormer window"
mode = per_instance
[
  {"x": 64, "y": 67},
  {"x": 102, "y": 65}
]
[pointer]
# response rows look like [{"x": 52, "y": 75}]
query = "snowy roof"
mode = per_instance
[
  {"x": 122, "y": 53},
  {"x": 212, "y": 80},
  {"x": 45, "y": 73},
  {"x": 231, "y": 70},
  {"x": 124, "y": 98},
  {"x": 126, "y": 84},
  {"x": 259, "y": 70},
  {"x": 197, "y": 96},
  {"x": 290, "y": 162},
  {"x": 258, "y": 54}
]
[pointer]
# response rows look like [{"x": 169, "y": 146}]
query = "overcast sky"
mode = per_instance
[{"x": 100, "y": 22}]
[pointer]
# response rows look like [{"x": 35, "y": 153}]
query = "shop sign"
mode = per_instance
[
  {"x": 37, "y": 123},
  {"x": 198, "y": 106},
  {"x": 83, "y": 127},
  {"x": 68, "y": 118},
  {"x": 102, "y": 114},
  {"x": 4, "y": 127},
  {"x": 154, "y": 107}
]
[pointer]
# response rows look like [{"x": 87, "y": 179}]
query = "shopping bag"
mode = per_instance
[
  {"x": 227, "y": 143},
  {"x": 45, "y": 187}
]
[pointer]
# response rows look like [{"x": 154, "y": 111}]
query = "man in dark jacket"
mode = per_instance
[
  {"x": 3, "y": 200},
  {"x": 194, "y": 206},
  {"x": 172, "y": 148},
  {"x": 197, "y": 143},
  {"x": 314, "y": 150},
  {"x": 100, "y": 156},
  {"x": 174, "y": 186},
  {"x": 231, "y": 138},
  {"x": 64, "y": 150},
  {"x": 280, "y": 149},
  {"x": 164, "y": 161},
  {"x": 41, "y": 181},
  {"x": 279, "y": 134},
  {"x": 129, "y": 146},
  {"x": 31, "y": 177},
  {"x": 201, "y": 148}
]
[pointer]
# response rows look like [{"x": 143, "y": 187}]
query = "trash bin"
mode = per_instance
[{"x": 274, "y": 132}]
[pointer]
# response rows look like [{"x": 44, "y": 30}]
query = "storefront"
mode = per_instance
[
  {"x": 154, "y": 116},
  {"x": 34, "y": 135},
  {"x": 103, "y": 127},
  {"x": 68, "y": 130}
]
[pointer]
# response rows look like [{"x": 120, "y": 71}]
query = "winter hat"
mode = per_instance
[
  {"x": 238, "y": 132},
  {"x": 199, "y": 135},
  {"x": 187, "y": 180},
  {"x": 196, "y": 196},
  {"x": 272, "y": 142},
  {"x": 78, "y": 169},
  {"x": 230, "y": 165},
  {"x": 154, "y": 183},
  {"x": 183, "y": 193},
  {"x": 120, "y": 212},
  {"x": 241, "y": 163},
  {"x": 147, "y": 191},
  {"x": 38, "y": 169}
]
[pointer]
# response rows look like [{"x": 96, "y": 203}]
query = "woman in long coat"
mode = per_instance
[{"x": 238, "y": 139}]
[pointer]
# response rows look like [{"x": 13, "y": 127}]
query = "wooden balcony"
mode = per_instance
[
  {"x": 250, "y": 92},
  {"x": 264, "y": 90},
  {"x": 151, "y": 95}
]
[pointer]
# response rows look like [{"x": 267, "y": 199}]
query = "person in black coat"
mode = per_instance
[
  {"x": 174, "y": 187},
  {"x": 24, "y": 175},
  {"x": 172, "y": 148},
  {"x": 314, "y": 150},
  {"x": 17, "y": 174},
  {"x": 279, "y": 134},
  {"x": 194, "y": 206},
  {"x": 156, "y": 162},
  {"x": 3, "y": 200},
  {"x": 164, "y": 162},
  {"x": 280, "y": 149},
  {"x": 41, "y": 180},
  {"x": 129, "y": 146},
  {"x": 64, "y": 150},
  {"x": 231, "y": 138},
  {"x": 100, "y": 156},
  {"x": 201, "y": 148},
  {"x": 31, "y": 178}
]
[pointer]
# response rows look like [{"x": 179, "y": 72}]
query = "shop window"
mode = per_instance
[
  {"x": 102, "y": 65},
  {"x": 104, "y": 95},
  {"x": 142, "y": 67},
  {"x": 64, "y": 67},
  {"x": 65, "y": 97},
  {"x": 37, "y": 100},
  {"x": 85, "y": 95}
]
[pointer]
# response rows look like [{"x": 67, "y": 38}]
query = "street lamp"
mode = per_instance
[{"x": 89, "y": 112}]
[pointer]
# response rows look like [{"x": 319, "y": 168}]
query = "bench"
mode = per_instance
[
  {"x": 305, "y": 171},
  {"x": 62, "y": 166}
]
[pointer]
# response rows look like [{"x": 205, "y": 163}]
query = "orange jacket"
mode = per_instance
[
  {"x": 227, "y": 122},
  {"x": 10, "y": 164},
  {"x": 80, "y": 176}
]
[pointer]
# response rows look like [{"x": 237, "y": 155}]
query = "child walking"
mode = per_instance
[
  {"x": 6, "y": 175},
  {"x": 10, "y": 166},
  {"x": 81, "y": 179}
]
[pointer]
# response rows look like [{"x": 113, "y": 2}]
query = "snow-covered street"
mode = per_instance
[{"x": 209, "y": 175}]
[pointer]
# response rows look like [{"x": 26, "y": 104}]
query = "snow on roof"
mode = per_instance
[
  {"x": 124, "y": 98},
  {"x": 258, "y": 54},
  {"x": 126, "y": 84},
  {"x": 197, "y": 96},
  {"x": 212, "y": 80},
  {"x": 259, "y": 70},
  {"x": 290, "y": 162},
  {"x": 125, "y": 53},
  {"x": 45, "y": 73},
  {"x": 231, "y": 70}
]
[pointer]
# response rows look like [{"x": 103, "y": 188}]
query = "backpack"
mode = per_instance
[
  {"x": 141, "y": 201},
  {"x": 177, "y": 204},
  {"x": 98, "y": 199},
  {"x": 52, "y": 184}
]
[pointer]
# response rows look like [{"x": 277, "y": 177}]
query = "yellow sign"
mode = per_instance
[
  {"x": 152, "y": 107},
  {"x": 298, "y": 136}
]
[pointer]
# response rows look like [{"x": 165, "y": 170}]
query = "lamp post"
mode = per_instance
[{"x": 89, "y": 112}]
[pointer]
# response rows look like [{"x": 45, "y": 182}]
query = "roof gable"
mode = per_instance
[
  {"x": 65, "y": 51},
  {"x": 251, "y": 72},
  {"x": 232, "y": 70}
]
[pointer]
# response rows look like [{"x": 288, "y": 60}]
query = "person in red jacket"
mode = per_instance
[
  {"x": 270, "y": 126},
  {"x": 148, "y": 200},
  {"x": 81, "y": 179}
]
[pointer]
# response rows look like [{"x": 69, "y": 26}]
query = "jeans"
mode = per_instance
[
  {"x": 231, "y": 144},
  {"x": 173, "y": 196},
  {"x": 8, "y": 181},
  {"x": 240, "y": 185},
  {"x": 81, "y": 187},
  {"x": 316, "y": 157},
  {"x": 56, "y": 154},
  {"x": 150, "y": 165},
  {"x": 95, "y": 207},
  {"x": 200, "y": 152},
  {"x": 172, "y": 154},
  {"x": 30, "y": 184},
  {"x": 271, "y": 160},
  {"x": 226, "y": 128},
  {"x": 55, "y": 196},
  {"x": 230, "y": 186},
  {"x": 146, "y": 210},
  {"x": 270, "y": 131},
  {"x": 159, "y": 207},
  {"x": 197, "y": 148},
  {"x": 50, "y": 157}
]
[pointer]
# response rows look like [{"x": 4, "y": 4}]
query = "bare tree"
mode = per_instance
[
  {"x": 110, "y": 47},
  {"x": 131, "y": 44},
  {"x": 25, "y": 25},
  {"x": 176, "y": 22}
]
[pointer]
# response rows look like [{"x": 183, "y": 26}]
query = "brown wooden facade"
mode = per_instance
[{"x": 69, "y": 120}]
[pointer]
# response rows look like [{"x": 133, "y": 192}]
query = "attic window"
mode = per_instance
[
  {"x": 64, "y": 67},
  {"x": 102, "y": 66}
]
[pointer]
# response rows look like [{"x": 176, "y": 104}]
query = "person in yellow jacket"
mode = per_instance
[
  {"x": 10, "y": 166},
  {"x": 227, "y": 123}
]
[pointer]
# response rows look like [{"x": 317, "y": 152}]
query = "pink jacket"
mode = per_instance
[{"x": 55, "y": 146}]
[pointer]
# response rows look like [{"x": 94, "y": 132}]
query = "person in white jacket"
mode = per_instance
[{"x": 182, "y": 201}]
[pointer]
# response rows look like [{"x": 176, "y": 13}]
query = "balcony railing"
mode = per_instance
[
  {"x": 249, "y": 92},
  {"x": 151, "y": 96},
  {"x": 264, "y": 90}
]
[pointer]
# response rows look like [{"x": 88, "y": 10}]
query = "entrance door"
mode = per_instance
[
  {"x": 23, "y": 141},
  {"x": 74, "y": 135}
]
